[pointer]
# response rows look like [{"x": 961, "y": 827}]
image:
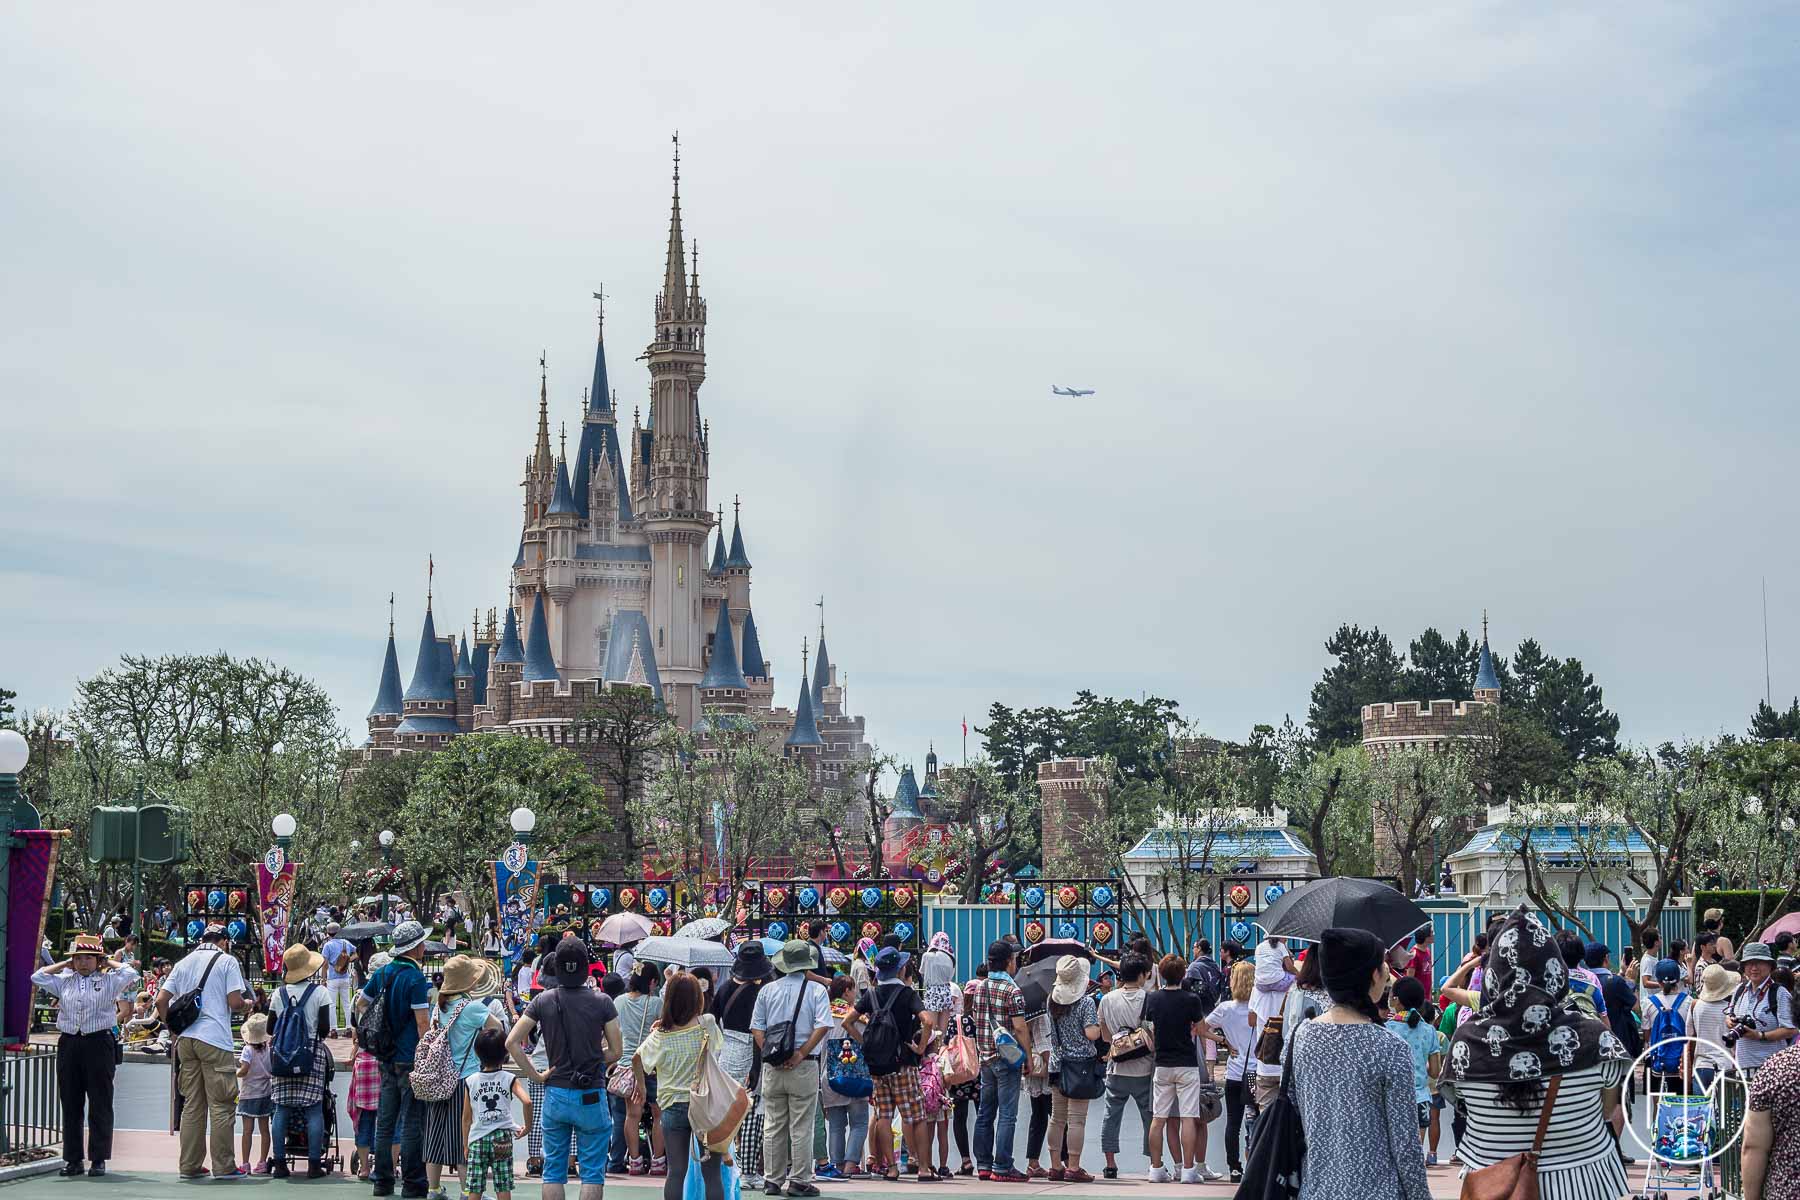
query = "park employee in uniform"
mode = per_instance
[{"x": 87, "y": 989}]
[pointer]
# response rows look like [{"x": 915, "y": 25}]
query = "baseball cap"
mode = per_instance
[{"x": 1667, "y": 970}]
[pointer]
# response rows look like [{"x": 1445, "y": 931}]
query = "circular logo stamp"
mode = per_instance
[{"x": 1684, "y": 1109}]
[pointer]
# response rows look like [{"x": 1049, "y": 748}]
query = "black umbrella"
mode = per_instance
[
  {"x": 366, "y": 929},
  {"x": 1306, "y": 911},
  {"x": 1036, "y": 981},
  {"x": 1055, "y": 948}
]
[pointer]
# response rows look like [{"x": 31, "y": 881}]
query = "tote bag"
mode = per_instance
[
  {"x": 717, "y": 1104},
  {"x": 1278, "y": 1153}
]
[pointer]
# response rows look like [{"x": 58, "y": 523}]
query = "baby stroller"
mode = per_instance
[
  {"x": 294, "y": 1152},
  {"x": 1684, "y": 1128}
]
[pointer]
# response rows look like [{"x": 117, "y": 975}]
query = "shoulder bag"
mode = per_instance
[
  {"x": 1077, "y": 1078},
  {"x": 621, "y": 1081},
  {"x": 1278, "y": 1151},
  {"x": 780, "y": 1041},
  {"x": 717, "y": 1103},
  {"x": 186, "y": 1009},
  {"x": 1514, "y": 1177},
  {"x": 1133, "y": 1043}
]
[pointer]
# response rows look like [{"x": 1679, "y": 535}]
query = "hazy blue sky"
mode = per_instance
[{"x": 1393, "y": 312}]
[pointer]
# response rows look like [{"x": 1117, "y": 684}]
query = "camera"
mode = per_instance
[{"x": 1735, "y": 1029}]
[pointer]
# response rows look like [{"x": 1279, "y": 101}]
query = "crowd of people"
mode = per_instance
[{"x": 879, "y": 1068}]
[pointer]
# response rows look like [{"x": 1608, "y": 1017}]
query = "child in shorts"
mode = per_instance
[{"x": 487, "y": 1118}]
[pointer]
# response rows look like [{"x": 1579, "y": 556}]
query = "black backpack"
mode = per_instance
[
  {"x": 881, "y": 1040},
  {"x": 374, "y": 1032},
  {"x": 186, "y": 1008},
  {"x": 1206, "y": 981}
]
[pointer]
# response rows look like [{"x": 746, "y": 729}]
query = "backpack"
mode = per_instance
[
  {"x": 881, "y": 1039},
  {"x": 434, "y": 1076},
  {"x": 374, "y": 1032},
  {"x": 186, "y": 1008},
  {"x": 292, "y": 1045},
  {"x": 847, "y": 1071},
  {"x": 1585, "y": 998},
  {"x": 1269, "y": 1040},
  {"x": 1668, "y": 1023},
  {"x": 1206, "y": 981}
]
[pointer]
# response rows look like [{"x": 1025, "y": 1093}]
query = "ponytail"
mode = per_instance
[{"x": 1412, "y": 1018}]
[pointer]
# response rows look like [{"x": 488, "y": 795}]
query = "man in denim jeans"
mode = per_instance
[
  {"x": 580, "y": 1028},
  {"x": 996, "y": 1002},
  {"x": 408, "y": 999}
]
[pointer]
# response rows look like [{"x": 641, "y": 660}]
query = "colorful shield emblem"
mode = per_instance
[
  {"x": 1240, "y": 932},
  {"x": 1034, "y": 897},
  {"x": 904, "y": 931},
  {"x": 871, "y": 897},
  {"x": 871, "y": 929},
  {"x": 1067, "y": 929},
  {"x": 839, "y": 932},
  {"x": 838, "y": 897},
  {"x": 1034, "y": 932},
  {"x": 775, "y": 897},
  {"x": 215, "y": 900},
  {"x": 1239, "y": 895},
  {"x": 1102, "y": 895},
  {"x": 1273, "y": 892},
  {"x": 778, "y": 930},
  {"x": 1101, "y": 933},
  {"x": 809, "y": 897},
  {"x": 903, "y": 897},
  {"x": 659, "y": 899},
  {"x": 1068, "y": 895}
]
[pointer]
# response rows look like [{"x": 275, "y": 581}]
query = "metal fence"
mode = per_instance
[{"x": 32, "y": 1106}]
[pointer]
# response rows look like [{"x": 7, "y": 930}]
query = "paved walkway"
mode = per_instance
[{"x": 143, "y": 1162}]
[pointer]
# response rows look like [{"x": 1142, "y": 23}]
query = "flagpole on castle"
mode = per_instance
[{"x": 965, "y": 758}]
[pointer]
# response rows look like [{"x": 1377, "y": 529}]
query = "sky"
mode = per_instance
[{"x": 1394, "y": 313}]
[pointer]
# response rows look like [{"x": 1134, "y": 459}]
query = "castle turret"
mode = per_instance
[
  {"x": 479, "y": 655},
  {"x": 804, "y": 740},
  {"x": 463, "y": 677},
  {"x": 1487, "y": 680},
  {"x": 429, "y": 707},
  {"x": 723, "y": 686},
  {"x": 507, "y": 669},
  {"x": 540, "y": 663},
  {"x": 674, "y": 507},
  {"x": 386, "y": 712},
  {"x": 561, "y": 520},
  {"x": 718, "y": 558},
  {"x": 928, "y": 795},
  {"x": 905, "y": 813}
]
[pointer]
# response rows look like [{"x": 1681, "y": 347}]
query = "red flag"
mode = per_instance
[{"x": 965, "y": 727}]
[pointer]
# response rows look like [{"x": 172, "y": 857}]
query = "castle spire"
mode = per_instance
[
  {"x": 562, "y": 500},
  {"x": 540, "y": 664},
  {"x": 430, "y": 681},
  {"x": 388, "y": 699},
  {"x": 723, "y": 671},
  {"x": 600, "y": 394},
  {"x": 510, "y": 651},
  {"x": 1486, "y": 678},
  {"x": 675, "y": 269},
  {"x": 737, "y": 557},
  {"x": 806, "y": 726},
  {"x": 754, "y": 665},
  {"x": 718, "y": 558},
  {"x": 543, "y": 460}
]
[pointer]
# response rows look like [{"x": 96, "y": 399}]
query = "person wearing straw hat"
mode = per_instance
[
  {"x": 87, "y": 989},
  {"x": 302, "y": 1097},
  {"x": 1711, "y": 1056},
  {"x": 256, "y": 1103},
  {"x": 463, "y": 1011},
  {"x": 402, "y": 987},
  {"x": 1761, "y": 1012}
]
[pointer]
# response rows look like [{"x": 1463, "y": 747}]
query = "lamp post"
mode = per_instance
[
  {"x": 283, "y": 828},
  {"x": 15, "y": 752},
  {"x": 524, "y": 823},
  {"x": 386, "y": 838}
]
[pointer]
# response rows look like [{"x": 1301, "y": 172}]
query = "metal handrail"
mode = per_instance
[{"x": 32, "y": 1116}]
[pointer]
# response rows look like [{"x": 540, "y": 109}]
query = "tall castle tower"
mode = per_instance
[{"x": 676, "y": 515}]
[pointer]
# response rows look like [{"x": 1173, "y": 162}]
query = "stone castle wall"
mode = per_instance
[{"x": 1070, "y": 803}]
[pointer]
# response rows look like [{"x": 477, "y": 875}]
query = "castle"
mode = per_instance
[
  {"x": 1437, "y": 724},
  {"x": 612, "y": 584}
]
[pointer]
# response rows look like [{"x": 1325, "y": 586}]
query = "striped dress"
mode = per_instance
[{"x": 1580, "y": 1161}]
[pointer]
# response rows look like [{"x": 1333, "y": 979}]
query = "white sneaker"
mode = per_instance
[
  {"x": 1190, "y": 1175},
  {"x": 1160, "y": 1175},
  {"x": 1208, "y": 1175}
]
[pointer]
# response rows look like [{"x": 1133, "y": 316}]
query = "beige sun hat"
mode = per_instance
[
  {"x": 299, "y": 964},
  {"x": 1071, "y": 979},
  {"x": 256, "y": 1029},
  {"x": 466, "y": 973},
  {"x": 1716, "y": 984}
]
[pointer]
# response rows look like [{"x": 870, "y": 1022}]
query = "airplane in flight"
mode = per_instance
[{"x": 1069, "y": 391}]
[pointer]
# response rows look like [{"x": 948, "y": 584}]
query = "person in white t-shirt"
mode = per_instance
[
  {"x": 205, "y": 1054},
  {"x": 1236, "y": 1025},
  {"x": 488, "y": 1128}
]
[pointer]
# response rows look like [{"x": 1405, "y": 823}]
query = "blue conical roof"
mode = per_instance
[
  {"x": 737, "y": 558},
  {"x": 723, "y": 670},
  {"x": 478, "y": 660},
  {"x": 806, "y": 729},
  {"x": 562, "y": 500},
  {"x": 519, "y": 559},
  {"x": 388, "y": 697},
  {"x": 540, "y": 664},
  {"x": 511, "y": 649},
  {"x": 430, "y": 679},
  {"x": 821, "y": 673},
  {"x": 463, "y": 668},
  {"x": 1485, "y": 678},
  {"x": 906, "y": 798},
  {"x": 718, "y": 561},
  {"x": 754, "y": 665}
]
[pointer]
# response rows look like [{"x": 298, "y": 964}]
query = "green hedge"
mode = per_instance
[{"x": 1740, "y": 911}]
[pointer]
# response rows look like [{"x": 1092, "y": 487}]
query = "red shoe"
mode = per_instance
[
  {"x": 1037, "y": 1172},
  {"x": 985, "y": 1175},
  {"x": 1077, "y": 1176},
  {"x": 1054, "y": 1175},
  {"x": 1011, "y": 1177}
]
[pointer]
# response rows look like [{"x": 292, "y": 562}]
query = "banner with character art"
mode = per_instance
[
  {"x": 515, "y": 896},
  {"x": 274, "y": 901}
]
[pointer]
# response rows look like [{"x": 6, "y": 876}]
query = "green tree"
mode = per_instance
[
  {"x": 629, "y": 725},
  {"x": 7, "y": 696},
  {"x": 1367, "y": 671},
  {"x": 1329, "y": 797},
  {"x": 454, "y": 820},
  {"x": 1769, "y": 724},
  {"x": 1758, "y": 830},
  {"x": 1529, "y": 667},
  {"x": 1570, "y": 705},
  {"x": 1439, "y": 669},
  {"x": 986, "y": 812},
  {"x": 1421, "y": 798},
  {"x": 1523, "y": 756}
]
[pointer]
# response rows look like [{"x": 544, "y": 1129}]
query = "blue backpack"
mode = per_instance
[
  {"x": 1666, "y": 1024},
  {"x": 847, "y": 1071},
  {"x": 294, "y": 1041}
]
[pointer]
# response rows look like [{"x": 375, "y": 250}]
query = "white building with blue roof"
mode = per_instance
[
  {"x": 1241, "y": 842},
  {"x": 1573, "y": 858}
]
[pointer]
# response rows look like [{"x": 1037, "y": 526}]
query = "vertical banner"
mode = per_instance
[
  {"x": 29, "y": 871},
  {"x": 515, "y": 895},
  {"x": 274, "y": 901}
]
